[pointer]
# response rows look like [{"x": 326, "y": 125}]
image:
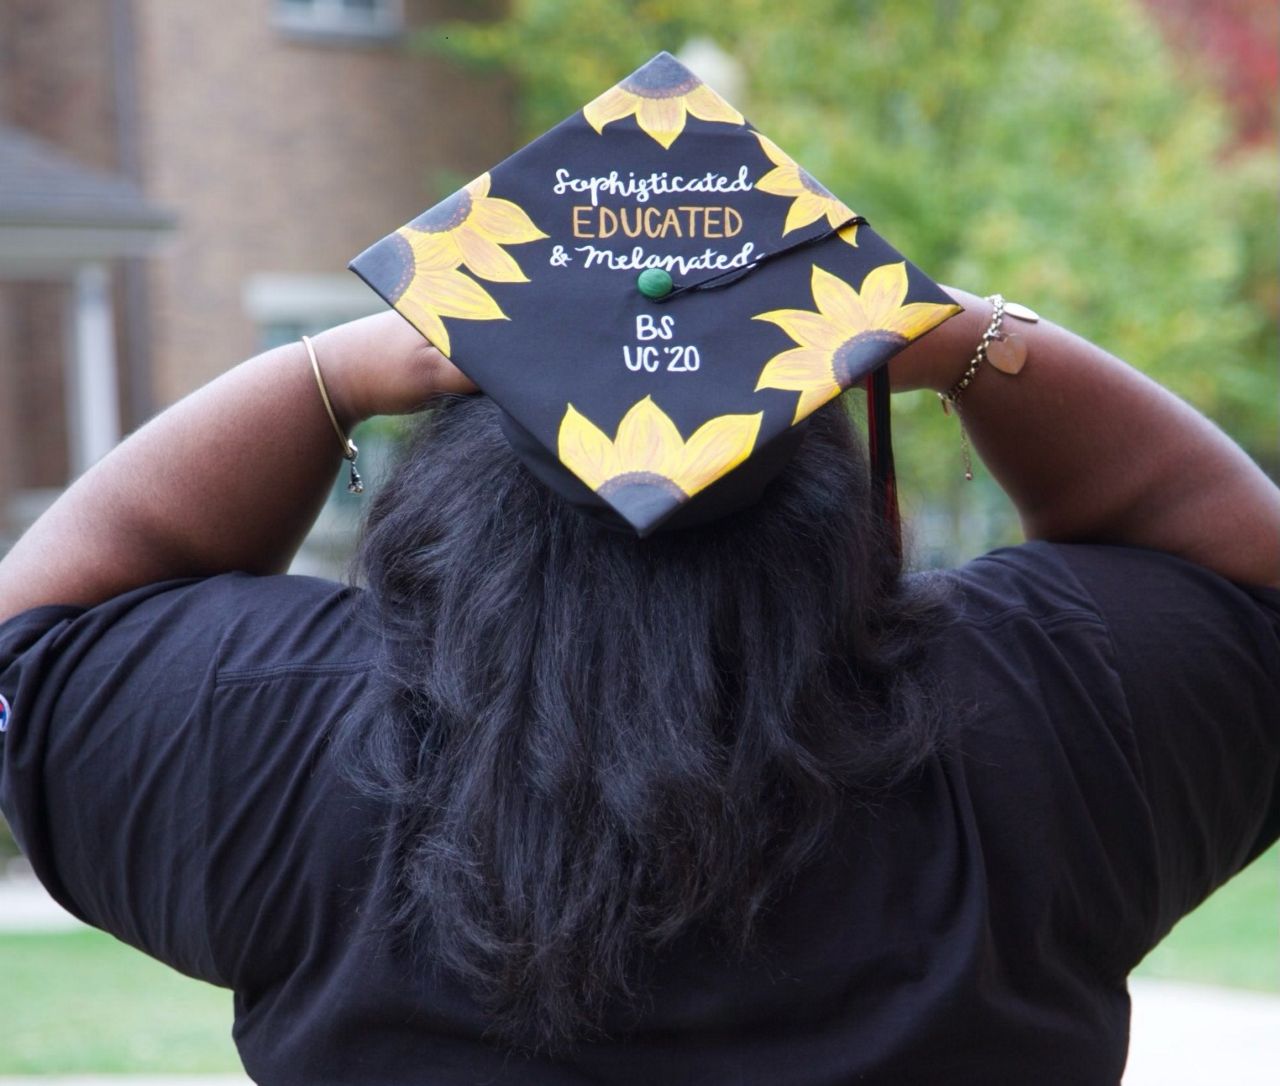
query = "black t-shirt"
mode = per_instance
[{"x": 1114, "y": 758}]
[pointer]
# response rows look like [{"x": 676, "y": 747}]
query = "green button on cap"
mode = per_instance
[{"x": 654, "y": 283}]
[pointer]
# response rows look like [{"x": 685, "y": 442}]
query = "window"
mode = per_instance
[
  {"x": 284, "y": 307},
  {"x": 339, "y": 18}
]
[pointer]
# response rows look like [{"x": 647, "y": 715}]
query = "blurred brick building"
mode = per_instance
[{"x": 182, "y": 184}]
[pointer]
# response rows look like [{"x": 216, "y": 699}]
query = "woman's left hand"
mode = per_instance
[{"x": 382, "y": 365}]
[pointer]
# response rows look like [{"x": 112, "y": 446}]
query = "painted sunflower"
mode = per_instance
[
  {"x": 425, "y": 285},
  {"x": 649, "y": 458},
  {"x": 660, "y": 94},
  {"x": 810, "y": 200},
  {"x": 851, "y": 332},
  {"x": 470, "y": 227}
]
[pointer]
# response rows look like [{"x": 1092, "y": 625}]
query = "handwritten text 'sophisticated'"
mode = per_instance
[{"x": 641, "y": 188}]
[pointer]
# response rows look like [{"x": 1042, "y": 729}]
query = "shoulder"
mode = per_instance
[
  {"x": 1034, "y": 581},
  {"x": 1116, "y": 586},
  {"x": 231, "y": 621},
  {"x": 165, "y": 765},
  {"x": 1128, "y": 632},
  {"x": 1020, "y": 618},
  {"x": 268, "y": 622},
  {"x": 1119, "y": 709}
]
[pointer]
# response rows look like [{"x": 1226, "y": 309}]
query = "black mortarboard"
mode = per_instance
[{"x": 656, "y": 295}]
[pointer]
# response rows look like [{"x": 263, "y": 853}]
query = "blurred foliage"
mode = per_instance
[{"x": 1049, "y": 151}]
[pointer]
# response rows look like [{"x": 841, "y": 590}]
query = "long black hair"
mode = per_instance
[{"x": 592, "y": 743}]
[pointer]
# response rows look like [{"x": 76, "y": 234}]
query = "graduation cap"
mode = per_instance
[{"x": 657, "y": 296}]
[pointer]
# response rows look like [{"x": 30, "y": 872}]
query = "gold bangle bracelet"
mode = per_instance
[{"x": 349, "y": 449}]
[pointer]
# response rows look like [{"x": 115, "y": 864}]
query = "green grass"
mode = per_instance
[
  {"x": 82, "y": 1002},
  {"x": 1233, "y": 938}
]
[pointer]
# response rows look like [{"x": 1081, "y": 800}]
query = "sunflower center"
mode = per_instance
[
  {"x": 806, "y": 179},
  {"x": 630, "y": 481},
  {"x": 857, "y": 357},
  {"x": 448, "y": 214},
  {"x": 662, "y": 77},
  {"x": 390, "y": 266}
]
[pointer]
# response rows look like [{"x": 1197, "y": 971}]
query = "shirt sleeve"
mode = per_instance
[
  {"x": 1198, "y": 659},
  {"x": 113, "y": 742}
]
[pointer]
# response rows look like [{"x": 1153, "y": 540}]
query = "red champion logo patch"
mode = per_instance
[{"x": 4, "y": 714}]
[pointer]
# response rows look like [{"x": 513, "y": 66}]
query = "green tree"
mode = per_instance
[{"x": 1049, "y": 151}]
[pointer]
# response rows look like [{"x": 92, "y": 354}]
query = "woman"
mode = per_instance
[{"x": 551, "y": 804}]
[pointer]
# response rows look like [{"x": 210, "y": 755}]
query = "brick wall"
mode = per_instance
[
  {"x": 279, "y": 155},
  {"x": 8, "y": 403},
  {"x": 55, "y": 68},
  {"x": 55, "y": 82},
  {"x": 283, "y": 155},
  {"x": 37, "y": 327}
]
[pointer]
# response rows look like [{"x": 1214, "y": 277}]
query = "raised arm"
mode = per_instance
[
  {"x": 1090, "y": 450},
  {"x": 230, "y": 478},
  {"x": 233, "y": 476}
]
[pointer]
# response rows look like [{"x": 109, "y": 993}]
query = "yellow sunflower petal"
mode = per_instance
[
  {"x": 798, "y": 369},
  {"x": 431, "y": 252},
  {"x": 662, "y": 118},
  {"x": 808, "y": 207},
  {"x": 813, "y": 398},
  {"x": 807, "y": 329},
  {"x": 849, "y": 234},
  {"x": 502, "y": 221},
  {"x": 648, "y": 440},
  {"x": 585, "y": 450},
  {"x": 706, "y": 105},
  {"x": 487, "y": 260},
  {"x": 452, "y": 294},
  {"x": 837, "y": 300},
  {"x": 782, "y": 181},
  {"x": 882, "y": 292},
  {"x": 611, "y": 106},
  {"x": 479, "y": 188},
  {"x": 716, "y": 448},
  {"x": 776, "y": 154},
  {"x": 914, "y": 320},
  {"x": 838, "y": 211},
  {"x": 418, "y": 312}
]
